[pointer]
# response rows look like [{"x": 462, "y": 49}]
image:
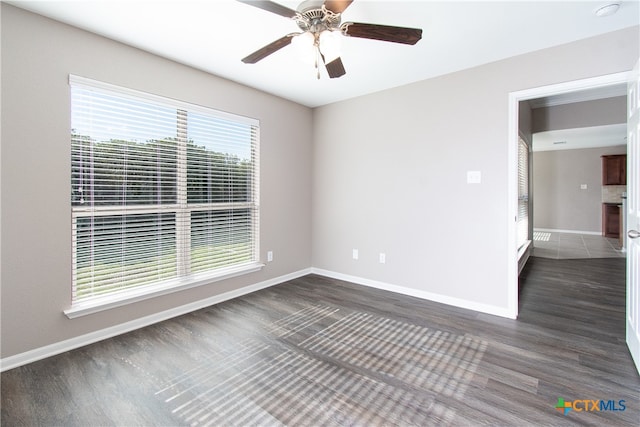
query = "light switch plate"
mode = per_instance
[{"x": 474, "y": 177}]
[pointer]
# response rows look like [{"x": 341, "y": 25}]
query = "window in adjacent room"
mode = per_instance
[
  {"x": 523, "y": 193},
  {"x": 164, "y": 194}
]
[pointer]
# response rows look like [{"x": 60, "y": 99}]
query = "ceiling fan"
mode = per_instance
[{"x": 320, "y": 22}]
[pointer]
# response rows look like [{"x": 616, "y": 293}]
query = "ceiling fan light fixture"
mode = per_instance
[
  {"x": 330, "y": 43},
  {"x": 303, "y": 40},
  {"x": 304, "y": 44}
]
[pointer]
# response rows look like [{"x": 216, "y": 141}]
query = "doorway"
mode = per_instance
[{"x": 596, "y": 83}]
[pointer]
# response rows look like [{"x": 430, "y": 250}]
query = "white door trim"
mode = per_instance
[{"x": 512, "y": 170}]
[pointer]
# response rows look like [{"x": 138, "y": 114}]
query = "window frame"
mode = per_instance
[{"x": 184, "y": 278}]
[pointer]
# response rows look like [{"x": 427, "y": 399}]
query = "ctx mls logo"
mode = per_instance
[{"x": 585, "y": 405}]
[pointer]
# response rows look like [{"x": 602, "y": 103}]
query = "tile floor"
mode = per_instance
[{"x": 571, "y": 245}]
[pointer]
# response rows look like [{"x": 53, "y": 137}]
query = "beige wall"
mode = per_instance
[
  {"x": 607, "y": 111},
  {"x": 392, "y": 179},
  {"x": 37, "y": 56},
  {"x": 560, "y": 204}
]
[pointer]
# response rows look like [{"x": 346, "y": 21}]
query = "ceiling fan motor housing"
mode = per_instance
[{"x": 317, "y": 19}]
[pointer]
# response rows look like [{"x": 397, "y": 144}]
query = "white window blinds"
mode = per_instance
[
  {"x": 161, "y": 191},
  {"x": 523, "y": 192}
]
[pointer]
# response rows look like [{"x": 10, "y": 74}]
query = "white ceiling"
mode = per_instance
[
  {"x": 215, "y": 35},
  {"x": 587, "y": 137}
]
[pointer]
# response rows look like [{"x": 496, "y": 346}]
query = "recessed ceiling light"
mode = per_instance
[{"x": 607, "y": 10}]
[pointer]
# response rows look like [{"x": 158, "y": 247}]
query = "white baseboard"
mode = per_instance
[
  {"x": 444, "y": 299},
  {"x": 90, "y": 338},
  {"x": 555, "y": 230}
]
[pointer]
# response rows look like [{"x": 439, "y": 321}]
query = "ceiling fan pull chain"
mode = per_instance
[{"x": 317, "y": 58}]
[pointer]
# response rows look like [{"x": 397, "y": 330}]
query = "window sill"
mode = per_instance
[
  {"x": 523, "y": 249},
  {"x": 523, "y": 255},
  {"x": 142, "y": 293}
]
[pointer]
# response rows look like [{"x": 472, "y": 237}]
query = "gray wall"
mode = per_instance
[
  {"x": 393, "y": 177},
  {"x": 607, "y": 111},
  {"x": 525, "y": 121},
  {"x": 37, "y": 56},
  {"x": 560, "y": 204}
]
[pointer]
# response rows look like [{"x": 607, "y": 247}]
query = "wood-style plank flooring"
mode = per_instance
[{"x": 318, "y": 351}]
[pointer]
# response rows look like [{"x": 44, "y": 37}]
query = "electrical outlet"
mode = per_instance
[
  {"x": 269, "y": 256},
  {"x": 583, "y": 186},
  {"x": 383, "y": 258},
  {"x": 355, "y": 254}
]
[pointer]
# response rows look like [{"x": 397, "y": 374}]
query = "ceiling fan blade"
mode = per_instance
[
  {"x": 335, "y": 68},
  {"x": 272, "y": 7},
  {"x": 382, "y": 32},
  {"x": 268, "y": 49},
  {"x": 337, "y": 6}
]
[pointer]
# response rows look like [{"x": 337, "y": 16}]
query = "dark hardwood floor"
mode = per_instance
[{"x": 317, "y": 351}]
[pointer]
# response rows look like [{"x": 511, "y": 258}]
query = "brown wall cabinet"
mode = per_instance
[{"x": 614, "y": 169}]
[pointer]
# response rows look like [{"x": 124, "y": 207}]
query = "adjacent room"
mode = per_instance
[
  {"x": 310, "y": 213},
  {"x": 579, "y": 148}
]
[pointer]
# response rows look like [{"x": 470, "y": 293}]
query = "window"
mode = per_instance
[
  {"x": 163, "y": 194},
  {"x": 523, "y": 193}
]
